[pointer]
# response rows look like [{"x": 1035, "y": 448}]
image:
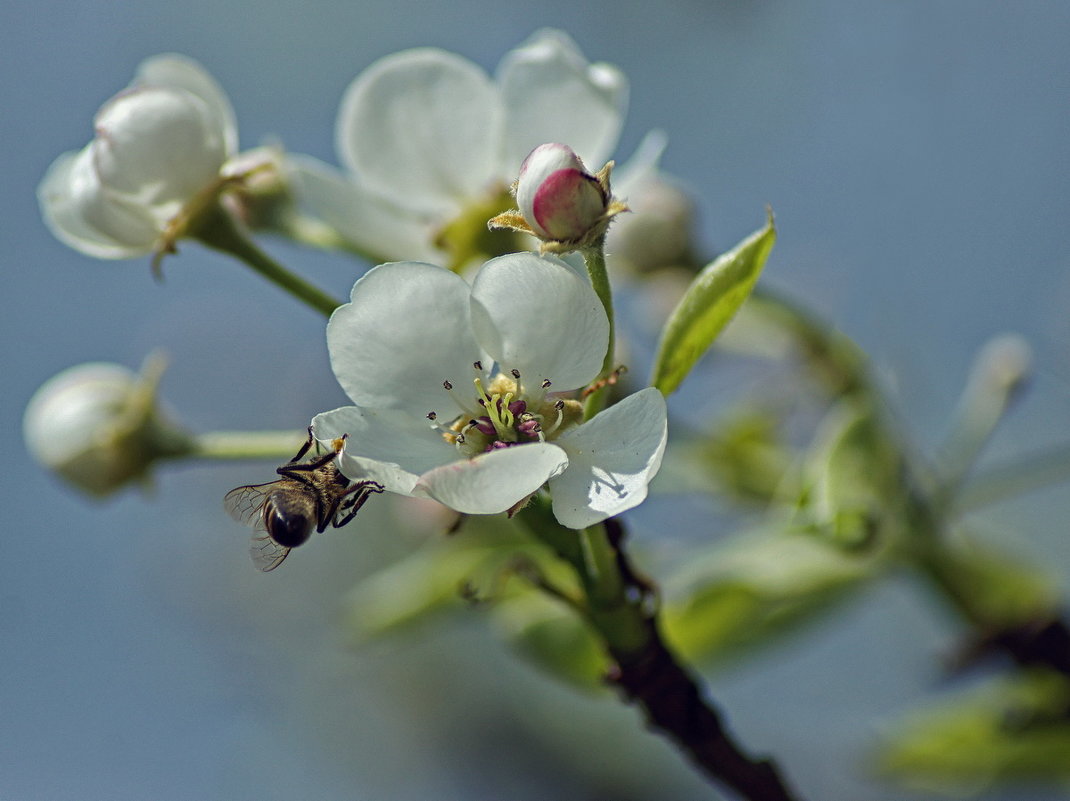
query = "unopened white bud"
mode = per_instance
[
  {"x": 557, "y": 196},
  {"x": 97, "y": 426}
]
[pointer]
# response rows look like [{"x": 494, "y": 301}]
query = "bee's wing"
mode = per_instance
[
  {"x": 267, "y": 554},
  {"x": 245, "y": 504}
]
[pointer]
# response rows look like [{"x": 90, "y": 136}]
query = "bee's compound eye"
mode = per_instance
[{"x": 288, "y": 530}]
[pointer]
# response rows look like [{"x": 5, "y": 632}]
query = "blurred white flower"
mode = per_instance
[
  {"x": 660, "y": 231},
  {"x": 158, "y": 156},
  {"x": 98, "y": 427},
  {"x": 487, "y": 364},
  {"x": 431, "y": 144}
]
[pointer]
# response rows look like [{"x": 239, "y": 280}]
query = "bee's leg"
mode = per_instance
[
  {"x": 296, "y": 467},
  {"x": 305, "y": 447},
  {"x": 294, "y": 470},
  {"x": 355, "y": 497}
]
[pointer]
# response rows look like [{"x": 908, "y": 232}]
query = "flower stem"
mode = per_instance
[
  {"x": 218, "y": 230},
  {"x": 245, "y": 445},
  {"x": 595, "y": 259},
  {"x": 620, "y": 607}
]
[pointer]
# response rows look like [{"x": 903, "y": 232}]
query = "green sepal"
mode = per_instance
[{"x": 710, "y": 302}]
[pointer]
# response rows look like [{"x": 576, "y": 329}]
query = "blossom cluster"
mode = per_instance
[{"x": 464, "y": 378}]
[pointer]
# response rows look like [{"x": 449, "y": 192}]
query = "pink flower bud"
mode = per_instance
[{"x": 558, "y": 198}]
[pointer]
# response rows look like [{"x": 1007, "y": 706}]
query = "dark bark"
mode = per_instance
[{"x": 673, "y": 704}]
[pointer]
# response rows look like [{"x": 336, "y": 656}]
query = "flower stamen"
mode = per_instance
[{"x": 560, "y": 407}]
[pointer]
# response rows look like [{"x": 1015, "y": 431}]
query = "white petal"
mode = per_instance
[
  {"x": 157, "y": 146},
  {"x": 536, "y": 315},
  {"x": 373, "y": 224},
  {"x": 422, "y": 127},
  {"x": 641, "y": 166},
  {"x": 493, "y": 482},
  {"x": 551, "y": 94},
  {"x": 385, "y": 445},
  {"x": 612, "y": 458},
  {"x": 83, "y": 216},
  {"x": 405, "y": 331},
  {"x": 182, "y": 72}
]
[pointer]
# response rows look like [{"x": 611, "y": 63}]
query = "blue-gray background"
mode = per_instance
[{"x": 916, "y": 155}]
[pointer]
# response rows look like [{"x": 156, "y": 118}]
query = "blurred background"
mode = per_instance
[{"x": 916, "y": 156}]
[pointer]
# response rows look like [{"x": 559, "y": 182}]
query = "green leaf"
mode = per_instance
[
  {"x": 438, "y": 578},
  {"x": 745, "y": 592},
  {"x": 746, "y": 457},
  {"x": 1003, "y": 589},
  {"x": 553, "y": 638},
  {"x": 1010, "y": 731},
  {"x": 852, "y": 479},
  {"x": 710, "y": 302},
  {"x": 423, "y": 583}
]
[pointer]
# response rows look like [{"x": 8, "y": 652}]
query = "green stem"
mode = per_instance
[
  {"x": 620, "y": 620},
  {"x": 315, "y": 234},
  {"x": 599, "y": 565},
  {"x": 244, "y": 445},
  {"x": 620, "y": 607},
  {"x": 595, "y": 258},
  {"x": 218, "y": 230}
]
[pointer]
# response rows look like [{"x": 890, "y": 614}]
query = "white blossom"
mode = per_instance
[
  {"x": 430, "y": 142},
  {"x": 463, "y": 393},
  {"x": 160, "y": 148}
]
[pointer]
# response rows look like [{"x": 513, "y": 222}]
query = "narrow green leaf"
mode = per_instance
[
  {"x": 552, "y": 638},
  {"x": 852, "y": 478},
  {"x": 436, "y": 579},
  {"x": 706, "y": 308},
  {"x": 1013, "y": 730},
  {"x": 746, "y": 592},
  {"x": 425, "y": 582},
  {"x": 1004, "y": 589}
]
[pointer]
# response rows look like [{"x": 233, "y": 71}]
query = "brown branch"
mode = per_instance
[
  {"x": 1041, "y": 643},
  {"x": 672, "y": 702}
]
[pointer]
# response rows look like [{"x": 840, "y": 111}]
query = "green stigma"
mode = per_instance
[{"x": 467, "y": 239}]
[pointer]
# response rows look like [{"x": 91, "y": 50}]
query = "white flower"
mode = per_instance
[
  {"x": 97, "y": 426},
  {"x": 431, "y": 143},
  {"x": 158, "y": 153},
  {"x": 460, "y": 391}
]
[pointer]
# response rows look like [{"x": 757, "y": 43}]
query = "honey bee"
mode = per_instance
[{"x": 310, "y": 494}]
